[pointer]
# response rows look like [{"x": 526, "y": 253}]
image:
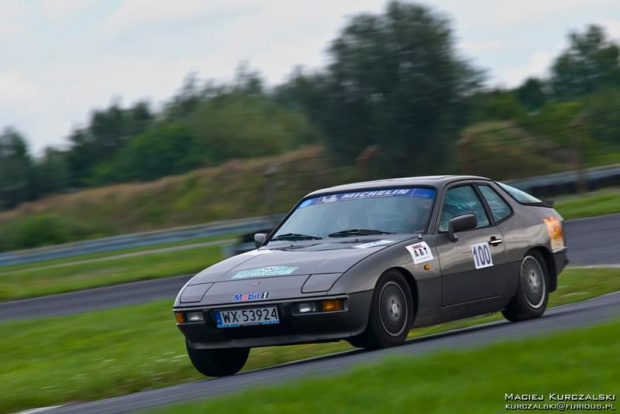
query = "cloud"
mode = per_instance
[
  {"x": 612, "y": 27},
  {"x": 55, "y": 6},
  {"x": 12, "y": 10},
  {"x": 539, "y": 63},
  {"x": 134, "y": 13},
  {"x": 476, "y": 13},
  {"x": 476, "y": 46},
  {"x": 12, "y": 20},
  {"x": 10, "y": 31},
  {"x": 14, "y": 88},
  {"x": 272, "y": 35},
  {"x": 536, "y": 66},
  {"x": 63, "y": 8}
]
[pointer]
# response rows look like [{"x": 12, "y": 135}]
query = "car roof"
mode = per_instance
[{"x": 437, "y": 181}]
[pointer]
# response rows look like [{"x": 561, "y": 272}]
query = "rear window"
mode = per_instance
[
  {"x": 520, "y": 196},
  {"x": 499, "y": 208}
]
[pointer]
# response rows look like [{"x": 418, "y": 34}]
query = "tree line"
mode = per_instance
[{"x": 394, "y": 79}]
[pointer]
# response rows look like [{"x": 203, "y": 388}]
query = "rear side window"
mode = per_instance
[
  {"x": 459, "y": 201},
  {"x": 520, "y": 196},
  {"x": 499, "y": 208}
]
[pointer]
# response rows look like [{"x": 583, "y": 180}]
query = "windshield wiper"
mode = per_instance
[
  {"x": 295, "y": 236},
  {"x": 358, "y": 232}
]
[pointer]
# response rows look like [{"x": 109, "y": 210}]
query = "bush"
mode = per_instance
[
  {"x": 503, "y": 150},
  {"x": 42, "y": 230}
]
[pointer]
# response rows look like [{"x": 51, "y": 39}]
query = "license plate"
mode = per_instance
[{"x": 247, "y": 317}]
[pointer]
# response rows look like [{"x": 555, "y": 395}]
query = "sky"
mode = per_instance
[{"x": 60, "y": 59}]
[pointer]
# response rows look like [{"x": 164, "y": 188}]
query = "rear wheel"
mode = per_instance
[
  {"x": 218, "y": 362},
  {"x": 391, "y": 313},
  {"x": 532, "y": 295}
]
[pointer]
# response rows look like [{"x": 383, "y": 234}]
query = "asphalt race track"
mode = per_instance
[
  {"x": 592, "y": 242},
  {"x": 593, "y": 311},
  {"x": 94, "y": 299}
]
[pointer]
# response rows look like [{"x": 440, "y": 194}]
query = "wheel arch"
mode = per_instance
[
  {"x": 550, "y": 263},
  {"x": 413, "y": 286}
]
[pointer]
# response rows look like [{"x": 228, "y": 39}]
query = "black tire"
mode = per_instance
[
  {"x": 218, "y": 362},
  {"x": 391, "y": 313},
  {"x": 530, "y": 300}
]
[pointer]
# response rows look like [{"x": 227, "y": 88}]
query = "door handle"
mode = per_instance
[{"x": 495, "y": 241}]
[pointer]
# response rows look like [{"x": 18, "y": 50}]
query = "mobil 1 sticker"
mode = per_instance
[
  {"x": 420, "y": 252},
  {"x": 482, "y": 255}
]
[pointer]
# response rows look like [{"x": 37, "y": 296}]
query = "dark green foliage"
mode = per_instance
[
  {"x": 15, "y": 169},
  {"x": 552, "y": 123},
  {"x": 164, "y": 150},
  {"x": 503, "y": 150},
  {"x": 203, "y": 125},
  {"x": 109, "y": 130},
  {"x": 394, "y": 80},
  {"x": 603, "y": 122},
  {"x": 51, "y": 171},
  {"x": 591, "y": 63},
  {"x": 496, "y": 105},
  {"x": 552, "y": 120},
  {"x": 532, "y": 93},
  {"x": 42, "y": 230},
  {"x": 241, "y": 126}
]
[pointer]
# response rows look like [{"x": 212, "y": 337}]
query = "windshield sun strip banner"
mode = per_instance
[{"x": 392, "y": 192}]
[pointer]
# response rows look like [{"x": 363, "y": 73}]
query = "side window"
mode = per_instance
[
  {"x": 520, "y": 196},
  {"x": 498, "y": 206},
  {"x": 462, "y": 200}
]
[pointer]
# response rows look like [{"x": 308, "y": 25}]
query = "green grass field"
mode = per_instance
[
  {"x": 592, "y": 204},
  {"x": 471, "y": 381},
  {"x": 34, "y": 282},
  {"x": 101, "y": 255},
  {"x": 118, "y": 351}
]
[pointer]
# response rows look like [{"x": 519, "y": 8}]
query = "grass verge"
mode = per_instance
[
  {"x": 472, "y": 381},
  {"x": 118, "y": 351},
  {"x": 29, "y": 283},
  {"x": 101, "y": 255},
  {"x": 592, "y": 204}
]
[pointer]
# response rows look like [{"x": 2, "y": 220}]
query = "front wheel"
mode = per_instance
[
  {"x": 218, "y": 362},
  {"x": 532, "y": 295},
  {"x": 391, "y": 313}
]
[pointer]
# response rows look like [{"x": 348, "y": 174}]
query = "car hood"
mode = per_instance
[{"x": 296, "y": 259}]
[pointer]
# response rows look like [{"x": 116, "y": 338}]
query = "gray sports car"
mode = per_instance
[{"x": 366, "y": 262}]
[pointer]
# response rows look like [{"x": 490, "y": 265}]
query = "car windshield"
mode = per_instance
[{"x": 360, "y": 213}]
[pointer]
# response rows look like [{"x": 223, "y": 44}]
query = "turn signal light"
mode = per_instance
[
  {"x": 331, "y": 305},
  {"x": 179, "y": 317}
]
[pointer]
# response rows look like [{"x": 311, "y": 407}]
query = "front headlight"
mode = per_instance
[{"x": 196, "y": 316}]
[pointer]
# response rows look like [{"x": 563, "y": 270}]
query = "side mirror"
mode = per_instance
[
  {"x": 461, "y": 223},
  {"x": 259, "y": 239}
]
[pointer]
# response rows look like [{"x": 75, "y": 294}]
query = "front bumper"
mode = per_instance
[{"x": 292, "y": 329}]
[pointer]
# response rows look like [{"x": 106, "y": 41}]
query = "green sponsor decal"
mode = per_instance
[{"x": 265, "y": 271}]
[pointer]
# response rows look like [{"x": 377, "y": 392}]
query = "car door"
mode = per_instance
[{"x": 472, "y": 266}]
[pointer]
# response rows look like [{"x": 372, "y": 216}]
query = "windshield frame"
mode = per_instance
[{"x": 354, "y": 190}]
